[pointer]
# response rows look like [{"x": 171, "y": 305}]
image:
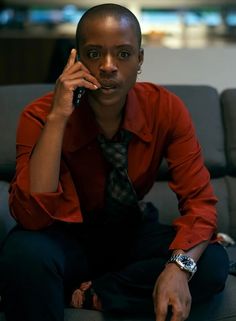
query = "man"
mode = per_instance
[{"x": 84, "y": 237}]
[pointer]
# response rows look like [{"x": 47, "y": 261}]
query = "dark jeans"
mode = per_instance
[{"x": 40, "y": 269}]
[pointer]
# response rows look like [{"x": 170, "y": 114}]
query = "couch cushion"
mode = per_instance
[
  {"x": 228, "y": 101},
  {"x": 204, "y": 106},
  {"x": 220, "y": 308},
  {"x": 13, "y": 99},
  {"x": 166, "y": 202}
]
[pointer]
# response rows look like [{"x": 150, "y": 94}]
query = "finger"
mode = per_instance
[
  {"x": 75, "y": 67},
  {"x": 161, "y": 313},
  {"x": 161, "y": 309},
  {"x": 181, "y": 309},
  {"x": 71, "y": 60},
  {"x": 78, "y": 70},
  {"x": 177, "y": 314},
  {"x": 77, "y": 299},
  {"x": 88, "y": 81},
  {"x": 85, "y": 285},
  {"x": 71, "y": 85},
  {"x": 84, "y": 79},
  {"x": 160, "y": 305},
  {"x": 188, "y": 308},
  {"x": 180, "y": 312}
]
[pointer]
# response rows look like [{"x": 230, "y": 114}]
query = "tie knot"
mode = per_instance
[{"x": 116, "y": 151}]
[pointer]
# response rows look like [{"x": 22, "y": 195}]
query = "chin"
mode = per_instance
[{"x": 108, "y": 100}]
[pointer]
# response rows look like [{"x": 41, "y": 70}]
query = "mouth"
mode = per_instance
[
  {"x": 108, "y": 84},
  {"x": 108, "y": 87}
]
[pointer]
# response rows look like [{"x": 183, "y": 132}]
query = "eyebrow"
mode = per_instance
[{"x": 128, "y": 46}]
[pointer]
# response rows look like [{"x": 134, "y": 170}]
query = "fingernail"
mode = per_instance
[{"x": 95, "y": 86}]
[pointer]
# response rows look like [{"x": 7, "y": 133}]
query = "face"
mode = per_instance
[{"x": 110, "y": 51}]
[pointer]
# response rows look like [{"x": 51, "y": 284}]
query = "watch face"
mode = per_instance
[{"x": 186, "y": 263}]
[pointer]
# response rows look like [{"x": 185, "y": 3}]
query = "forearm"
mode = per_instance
[
  {"x": 195, "y": 252},
  {"x": 46, "y": 156}
]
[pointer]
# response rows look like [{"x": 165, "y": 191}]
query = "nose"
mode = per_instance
[{"x": 108, "y": 64}]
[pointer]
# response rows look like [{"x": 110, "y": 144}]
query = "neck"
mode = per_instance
[
  {"x": 108, "y": 118},
  {"x": 109, "y": 125}
]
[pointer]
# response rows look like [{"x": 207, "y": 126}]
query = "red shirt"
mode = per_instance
[{"x": 161, "y": 127}]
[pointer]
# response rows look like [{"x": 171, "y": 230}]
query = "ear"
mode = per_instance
[{"x": 141, "y": 57}]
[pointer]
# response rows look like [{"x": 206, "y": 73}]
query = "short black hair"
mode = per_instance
[{"x": 102, "y": 11}]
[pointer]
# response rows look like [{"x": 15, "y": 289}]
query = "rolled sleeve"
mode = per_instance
[{"x": 38, "y": 210}]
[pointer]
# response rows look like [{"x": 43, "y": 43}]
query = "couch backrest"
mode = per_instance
[
  {"x": 202, "y": 101},
  {"x": 204, "y": 105},
  {"x": 217, "y": 136},
  {"x": 214, "y": 116},
  {"x": 228, "y": 103},
  {"x": 13, "y": 99}
]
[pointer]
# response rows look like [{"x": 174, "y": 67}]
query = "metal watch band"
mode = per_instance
[{"x": 184, "y": 262}]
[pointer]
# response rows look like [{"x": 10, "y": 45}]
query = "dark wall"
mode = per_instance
[{"x": 32, "y": 60}]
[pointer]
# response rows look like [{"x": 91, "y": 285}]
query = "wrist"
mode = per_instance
[
  {"x": 56, "y": 118},
  {"x": 183, "y": 262},
  {"x": 174, "y": 268}
]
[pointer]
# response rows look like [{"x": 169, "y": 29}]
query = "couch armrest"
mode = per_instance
[{"x": 6, "y": 220}]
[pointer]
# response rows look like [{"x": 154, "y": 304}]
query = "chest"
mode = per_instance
[{"x": 89, "y": 171}]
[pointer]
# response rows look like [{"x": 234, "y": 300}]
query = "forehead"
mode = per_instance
[{"x": 109, "y": 31}]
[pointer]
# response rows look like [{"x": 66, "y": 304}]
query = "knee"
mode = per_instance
[
  {"x": 216, "y": 264},
  {"x": 28, "y": 253},
  {"x": 213, "y": 268}
]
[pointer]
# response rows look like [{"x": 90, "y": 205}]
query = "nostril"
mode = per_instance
[{"x": 108, "y": 66}]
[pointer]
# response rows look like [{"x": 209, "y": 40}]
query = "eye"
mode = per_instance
[
  {"x": 93, "y": 54},
  {"x": 124, "y": 54}
]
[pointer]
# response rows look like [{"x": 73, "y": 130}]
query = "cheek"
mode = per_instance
[
  {"x": 91, "y": 66},
  {"x": 131, "y": 76}
]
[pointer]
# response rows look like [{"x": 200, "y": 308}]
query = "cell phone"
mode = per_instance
[{"x": 78, "y": 93}]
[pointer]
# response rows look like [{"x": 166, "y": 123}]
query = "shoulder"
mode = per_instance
[
  {"x": 158, "y": 99},
  {"x": 39, "y": 108},
  {"x": 32, "y": 120}
]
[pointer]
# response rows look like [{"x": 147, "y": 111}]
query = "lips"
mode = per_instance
[
  {"x": 108, "y": 85},
  {"x": 108, "y": 88}
]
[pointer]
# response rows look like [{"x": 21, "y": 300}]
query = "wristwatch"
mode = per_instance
[{"x": 185, "y": 263}]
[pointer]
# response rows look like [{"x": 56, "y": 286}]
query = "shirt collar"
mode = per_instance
[
  {"x": 82, "y": 127},
  {"x": 135, "y": 117}
]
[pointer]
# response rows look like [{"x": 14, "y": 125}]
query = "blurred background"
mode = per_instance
[{"x": 185, "y": 41}]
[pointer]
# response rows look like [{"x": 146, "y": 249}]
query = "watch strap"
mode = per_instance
[{"x": 180, "y": 260}]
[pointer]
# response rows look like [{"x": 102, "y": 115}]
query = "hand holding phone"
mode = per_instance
[{"x": 79, "y": 91}]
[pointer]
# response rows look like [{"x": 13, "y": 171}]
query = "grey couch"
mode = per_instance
[{"x": 214, "y": 115}]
